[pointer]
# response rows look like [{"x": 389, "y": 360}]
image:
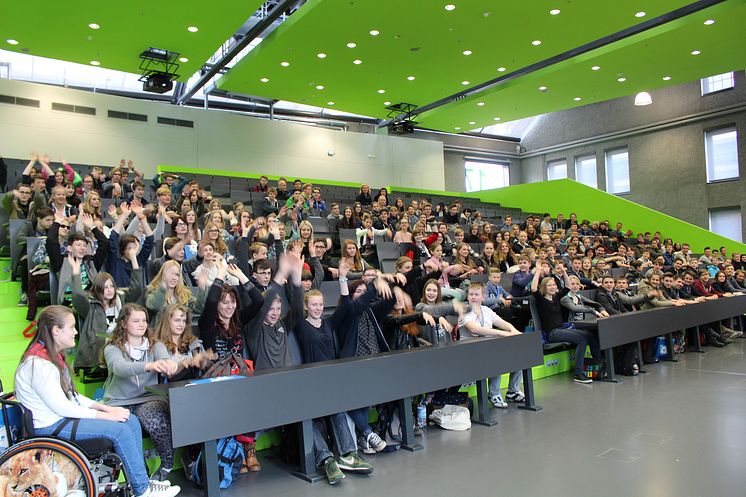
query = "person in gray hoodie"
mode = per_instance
[{"x": 134, "y": 359}]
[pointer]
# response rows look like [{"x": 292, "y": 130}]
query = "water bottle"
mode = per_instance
[{"x": 421, "y": 415}]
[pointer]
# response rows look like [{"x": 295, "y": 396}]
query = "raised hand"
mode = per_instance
[
  {"x": 112, "y": 211},
  {"x": 87, "y": 220},
  {"x": 136, "y": 207},
  {"x": 382, "y": 286},
  {"x": 222, "y": 267},
  {"x": 74, "y": 264},
  {"x": 124, "y": 210},
  {"x": 342, "y": 271}
]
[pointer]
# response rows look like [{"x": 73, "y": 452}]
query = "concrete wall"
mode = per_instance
[{"x": 665, "y": 142}]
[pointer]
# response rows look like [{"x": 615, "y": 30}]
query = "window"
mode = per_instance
[
  {"x": 617, "y": 171},
  {"x": 486, "y": 175},
  {"x": 585, "y": 170},
  {"x": 717, "y": 83},
  {"x": 727, "y": 222},
  {"x": 721, "y": 154},
  {"x": 557, "y": 169}
]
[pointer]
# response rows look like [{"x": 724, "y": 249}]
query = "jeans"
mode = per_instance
[
  {"x": 579, "y": 338},
  {"x": 360, "y": 418},
  {"x": 127, "y": 440},
  {"x": 344, "y": 435},
  {"x": 514, "y": 385}
]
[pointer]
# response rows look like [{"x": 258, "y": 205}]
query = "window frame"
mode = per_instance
[
  {"x": 580, "y": 158},
  {"x": 718, "y": 130},
  {"x": 737, "y": 208},
  {"x": 712, "y": 92},
  {"x": 553, "y": 162},
  {"x": 612, "y": 151},
  {"x": 491, "y": 163}
]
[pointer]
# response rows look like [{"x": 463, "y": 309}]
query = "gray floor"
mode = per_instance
[{"x": 677, "y": 431}]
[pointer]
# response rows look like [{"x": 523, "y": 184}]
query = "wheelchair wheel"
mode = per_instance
[{"x": 45, "y": 467}]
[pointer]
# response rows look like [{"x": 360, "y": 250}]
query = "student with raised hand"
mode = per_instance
[
  {"x": 174, "y": 331},
  {"x": 433, "y": 304},
  {"x": 120, "y": 268},
  {"x": 134, "y": 359},
  {"x": 547, "y": 297},
  {"x": 44, "y": 385},
  {"x": 481, "y": 321},
  {"x": 401, "y": 325},
  {"x": 167, "y": 287}
]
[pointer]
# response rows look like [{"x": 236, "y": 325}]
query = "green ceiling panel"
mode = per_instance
[
  {"x": 419, "y": 38},
  {"x": 59, "y": 30}
]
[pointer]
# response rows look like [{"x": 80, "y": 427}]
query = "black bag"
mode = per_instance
[
  {"x": 648, "y": 351},
  {"x": 626, "y": 361},
  {"x": 388, "y": 426},
  {"x": 453, "y": 397}
]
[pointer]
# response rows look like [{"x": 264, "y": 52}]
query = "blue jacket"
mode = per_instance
[{"x": 118, "y": 268}]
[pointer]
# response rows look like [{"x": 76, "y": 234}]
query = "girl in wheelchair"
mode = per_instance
[{"x": 44, "y": 386}]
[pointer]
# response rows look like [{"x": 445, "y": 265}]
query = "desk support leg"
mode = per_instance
[
  {"x": 528, "y": 387},
  {"x": 307, "y": 461},
  {"x": 671, "y": 356},
  {"x": 697, "y": 346},
  {"x": 639, "y": 357},
  {"x": 210, "y": 460},
  {"x": 609, "y": 357},
  {"x": 483, "y": 408},
  {"x": 406, "y": 420}
]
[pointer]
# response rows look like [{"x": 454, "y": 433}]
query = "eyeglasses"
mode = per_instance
[
  {"x": 214, "y": 230},
  {"x": 64, "y": 226}
]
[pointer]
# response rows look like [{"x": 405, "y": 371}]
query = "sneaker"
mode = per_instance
[
  {"x": 23, "y": 300},
  {"x": 375, "y": 442},
  {"x": 515, "y": 396},
  {"x": 160, "y": 489},
  {"x": 497, "y": 401},
  {"x": 715, "y": 342},
  {"x": 362, "y": 444},
  {"x": 160, "y": 475},
  {"x": 353, "y": 463},
  {"x": 581, "y": 378},
  {"x": 737, "y": 334},
  {"x": 333, "y": 473}
]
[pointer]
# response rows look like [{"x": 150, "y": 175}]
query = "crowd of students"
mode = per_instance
[{"x": 253, "y": 280}]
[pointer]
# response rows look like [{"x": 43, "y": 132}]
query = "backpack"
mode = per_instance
[
  {"x": 388, "y": 426},
  {"x": 230, "y": 460},
  {"x": 626, "y": 361}
]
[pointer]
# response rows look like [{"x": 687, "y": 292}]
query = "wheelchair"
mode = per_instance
[{"x": 49, "y": 466}]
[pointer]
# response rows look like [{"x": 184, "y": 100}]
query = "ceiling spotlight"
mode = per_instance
[
  {"x": 284, "y": 63},
  {"x": 542, "y": 88},
  {"x": 577, "y": 99},
  {"x": 666, "y": 78},
  {"x": 381, "y": 91},
  {"x": 640, "y": 14},
  {"x": 351, "y": 44},
  {"x": 536, "y": 43},
  {"x": 554, "y": 12},
  {"x": 643, "y": 98},
  {"x": 319, "y": 87},
  {"x": 183, "y": 59},
  {"x": 95, "y": 63},
  {"x": 457, "y": 128},
  {"x": 496, "y": 118},
  {"x": 387, "y": 103},
  {"x": 330, "y": 103},
  {"x": 481, "y": 104},
  {"x": 464, "y": 82},
  {"x": 709, "y": 22},
  {"x": 93, "y": 25},
  {"x": 410, "y": 78},
  {"x": 696, "y": 52},
  {"x": 374, "y": 32},
  {"x": 621, "y": 79},
  {"x": 472, "y": 122},
  {"x": 467, "y": 52},
  {"x": 264, "y": 80},
  {"x": 357, "y": 62},
  {"x": 450, "y": 7},
  {"x": 321, "y": 55},
  {"x": 12, "y": 42},
  {"x": 192, "y": 29},
  {"x": 500, "y": 69},
  {"x": 595, "y": 68}
]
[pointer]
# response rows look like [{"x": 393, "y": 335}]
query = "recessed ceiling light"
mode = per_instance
[
  {"x": 554, "y": 12},
  {"x": 496, "y": 118},
  {"x": 264, "y": 80},
  {"x": 472, "y": 122},
  {"x": 542, "y": 88},
  {"x": 321, "y": 55},
  {"x": 621, "y": 79},
  {"x": 464, "y": 82},
  {"x": 95, "y": 63},
  {"x": 696, "y": 52},
  {"x": 666, "y": 78},
  {"x": 93, "y": 25},
  {"x": 410, "y": 78},
  {"x": 387, "y": 103},
  {"x": 467, "y": 52},
  {"x": 374, "y": 32},
  {"x": 536, "y": 43},
  {"x": 457, "y": 127},
  {"x": 319, "y": 87},
  {"x": 330, "y": 103},
  {"x": 192, "y": 29},
  {"x": 357, "y": 62},
  {"x": 183, "y": 59},
  {"x": 577, "y": 99},
  {"x": 640, "y": 14},
  {"x": 450, "y": 7},
  {"x": 481, "y": 104},
  {"x": 381, "y": 91},
  {"x": 12, "y": 41},
  {"x": 501, "y": 69},
  {"x": 351, "y": 44},
  {"x": 709, "y": 22},
  {"x": 595, "y": 68},
  {"x": 284, "y": 63}
]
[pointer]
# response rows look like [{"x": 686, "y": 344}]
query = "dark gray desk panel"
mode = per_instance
[
  {"x": 633, "y": 326},
  {"x": 282, "y": 396}
]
